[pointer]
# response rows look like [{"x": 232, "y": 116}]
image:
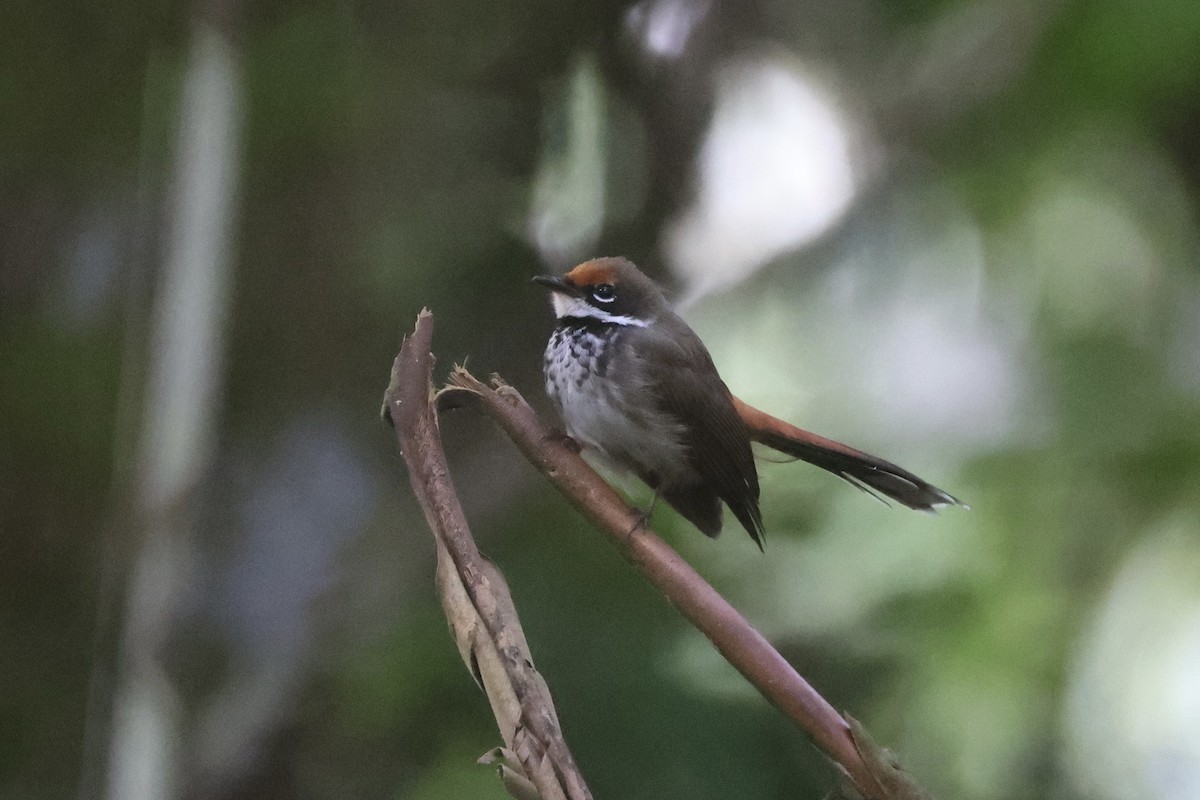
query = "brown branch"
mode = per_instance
[
  {"x": 743, "y": 646},
  {"x": 473, "y": 592},
  {"x": 868, "y": 770}
]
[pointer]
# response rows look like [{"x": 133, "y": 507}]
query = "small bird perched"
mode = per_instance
[{"x": 635, "y": 384}]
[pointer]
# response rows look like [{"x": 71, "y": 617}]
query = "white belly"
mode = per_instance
[{"x": 606, "y": 407}]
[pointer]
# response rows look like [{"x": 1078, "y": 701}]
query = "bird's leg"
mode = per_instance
[{"x": 643, "y": 517}]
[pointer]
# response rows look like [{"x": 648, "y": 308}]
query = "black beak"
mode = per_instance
[{"x": 557, "y": 283}]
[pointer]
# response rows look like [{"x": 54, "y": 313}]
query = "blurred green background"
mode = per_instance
[{"x": 962, "y": 235}]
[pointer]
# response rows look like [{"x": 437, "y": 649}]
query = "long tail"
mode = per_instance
[{"x": 862, "y": 469}]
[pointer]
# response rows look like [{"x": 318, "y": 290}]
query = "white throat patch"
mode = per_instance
[{"x": 565, "y": 306}]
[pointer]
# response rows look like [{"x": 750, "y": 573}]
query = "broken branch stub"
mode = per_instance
[{"x": 474, "y": 595}]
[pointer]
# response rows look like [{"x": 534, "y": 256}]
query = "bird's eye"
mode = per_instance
[{"x": 605, "y": 292}]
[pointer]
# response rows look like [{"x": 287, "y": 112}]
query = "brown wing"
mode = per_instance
[{"x": 685, "y": 384}]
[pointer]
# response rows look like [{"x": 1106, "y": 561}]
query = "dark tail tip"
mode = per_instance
[{"x": 866, "y": 471}]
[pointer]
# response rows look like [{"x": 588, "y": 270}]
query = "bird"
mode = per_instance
[{"x": 636, "y": 387}]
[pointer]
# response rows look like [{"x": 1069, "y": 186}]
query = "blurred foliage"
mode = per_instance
[{"x": 1036, "y": 209}]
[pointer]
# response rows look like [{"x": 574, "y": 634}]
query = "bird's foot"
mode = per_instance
[{"x": 565, "y": 439}]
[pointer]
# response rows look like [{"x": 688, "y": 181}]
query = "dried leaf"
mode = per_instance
[
  {"x": 884, "y": 766},
  {"x": 476, "y": 649},
  {"x": 512, "y": 774}
]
